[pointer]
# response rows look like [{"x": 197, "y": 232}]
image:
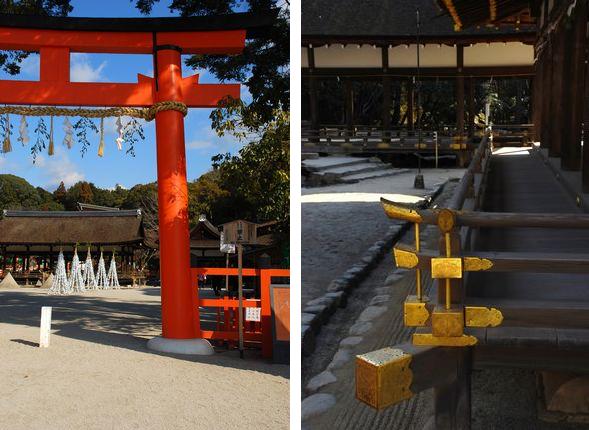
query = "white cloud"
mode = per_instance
[
  {"x": 199, "y": 144},
  {"x": 82, "y": 69},
  {"x": 58, "y": 168}
]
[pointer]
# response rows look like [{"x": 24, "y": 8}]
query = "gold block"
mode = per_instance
[
  {"x": 383, "y": 377},
  {"x": 447, "y": 322},
  {"x": 477, "y": 316},
  {"x": 415, "y": 312},
  {"x": 455, "y": 146},
  {"x": 383, "y": 145},
  {"x": 427, "y": 339},
  {"x": 476, "y": 264},
  {"x": 447, "y": 268},
  {"x": 421, "y": 145},
  {"x": 405, "y": 259},
  {"x": 396, "y": 211}
]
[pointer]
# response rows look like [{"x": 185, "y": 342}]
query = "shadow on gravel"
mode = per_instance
[{"x": 125, "y": 325}]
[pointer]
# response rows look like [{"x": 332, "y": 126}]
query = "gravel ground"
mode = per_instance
[
  {"x": 341, "y": 221},
  {"x": 98, "y": 374},
  {"x": 349, "y": 413}
]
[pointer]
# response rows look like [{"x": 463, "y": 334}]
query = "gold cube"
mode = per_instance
[
  {"x": 446, "y": 268},
  {"x": 447, "y": 322},
  {"x": 415, "y": 312},
  {"x": 383, "y": 377}
]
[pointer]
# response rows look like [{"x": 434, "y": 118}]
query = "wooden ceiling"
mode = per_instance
[{"x": 471, "y": 13}]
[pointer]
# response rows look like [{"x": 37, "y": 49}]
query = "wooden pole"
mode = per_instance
[
  {"x": 386, "y": 94},
  {"x": 312, "y": 90},
  {"x": 471, "y": 112},
  {"x": 460, "y": 90},
  {"x": 349, "y": 105},
  {"x": 240, "y": 295}
]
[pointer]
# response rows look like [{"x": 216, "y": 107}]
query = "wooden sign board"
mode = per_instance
[{"x": 280, "y": 302}]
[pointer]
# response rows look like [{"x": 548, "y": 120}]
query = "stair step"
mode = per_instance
[
  {"x": 374, "y": 174},
  {"x": 327, "y": 163}
]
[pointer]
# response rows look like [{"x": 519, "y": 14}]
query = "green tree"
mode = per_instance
[
  {"x": 17, "y": 194},
  {"x": 258, "y": 177},
  {"x": 263, "y": 66}
]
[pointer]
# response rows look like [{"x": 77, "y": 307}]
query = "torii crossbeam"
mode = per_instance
[{"x": 166, "y": 39}]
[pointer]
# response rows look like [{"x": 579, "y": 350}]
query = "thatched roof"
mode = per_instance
[
  {"x": 70, "y": 228},
  {"x": 387, "y": 20}
]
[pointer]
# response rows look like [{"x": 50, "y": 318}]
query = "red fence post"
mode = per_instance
[{"x": 266, "y": 278}]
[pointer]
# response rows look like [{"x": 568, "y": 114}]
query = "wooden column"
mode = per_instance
[
  {"x": 557, "y": 100},
  {"x": 460, "y": 89},
  {"x": 571, "y": 154},
  {"x": 386, "y": 94},
  {"x": 410, "y": 99},
  {"x": 312, "y": 90},
  {"x": 452, "y": 401},
  {"x": 585, "y": 166},
  {"x": 537, "y": 90},
  {"x": 4, "y": 260},
  {"x": 547, "y": 92},
  {"x": 349, "y": 105},
  {"x": 471, "y": 110},
  {"x": 51, "y": 257}
]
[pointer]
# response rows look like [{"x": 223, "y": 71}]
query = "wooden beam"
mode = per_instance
[
  {"x": 426, "y": 72},
  {"x": 119, "y": 42},
  {"x": 378, "y": 373}
]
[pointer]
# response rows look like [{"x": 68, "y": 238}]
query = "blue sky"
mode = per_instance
[{"x": 115, "y": 167}]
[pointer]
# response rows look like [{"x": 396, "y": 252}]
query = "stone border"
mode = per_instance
[{"x": 318, "y": 311}]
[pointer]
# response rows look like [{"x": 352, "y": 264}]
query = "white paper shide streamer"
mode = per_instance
[
  {"x": 120, "y": 140},
  {"x": 23, "y": 131}
]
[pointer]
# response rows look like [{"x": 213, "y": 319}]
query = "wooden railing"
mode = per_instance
[
  {"x": 227, "y": 307},
  {"x": 366, "y": 138}
]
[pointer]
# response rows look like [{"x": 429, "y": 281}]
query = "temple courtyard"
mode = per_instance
[{"x": 98, "y": 374}]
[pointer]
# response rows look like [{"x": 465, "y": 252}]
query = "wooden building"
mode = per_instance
[
  {"x": 561, "y": 87},
  {"x": 259, "y": 240},
  {"x": 30, "y": 241},
  {"x": 359, "y": 63}
]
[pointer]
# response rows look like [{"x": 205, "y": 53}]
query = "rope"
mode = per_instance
[{"x": 148, "y": 114}]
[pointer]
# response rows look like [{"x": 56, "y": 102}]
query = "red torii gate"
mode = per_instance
[{"x": 165, "y": 38}]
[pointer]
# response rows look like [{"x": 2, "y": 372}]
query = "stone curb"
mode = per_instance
[{"x": 318, "y": 311}]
